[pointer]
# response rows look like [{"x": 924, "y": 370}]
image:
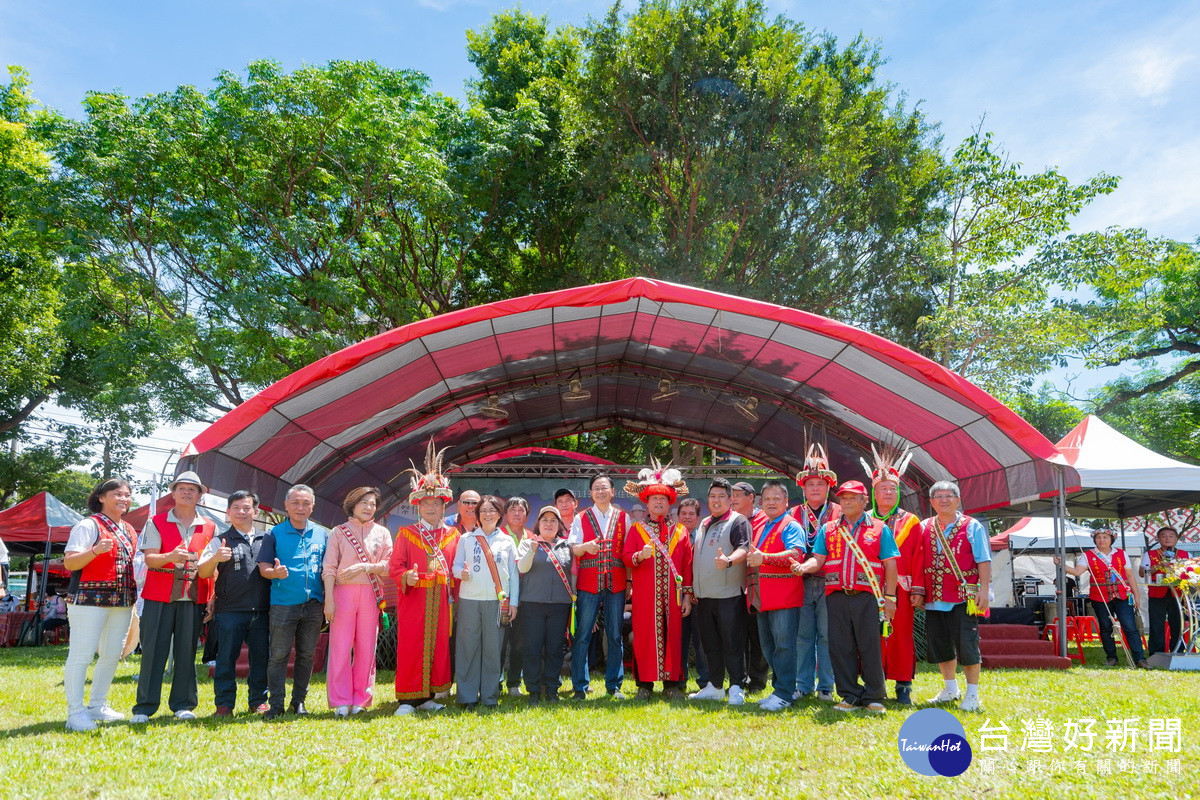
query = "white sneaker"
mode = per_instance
[
  {"x": 736, "y": 696},
  {"x": 139, "y": 719},
  {"x": 773, "y": 702},
  {"x": 404, "y": 709},
  {"x": 709, "y": 692},
  {"x": 971, "y": 704},
  {"x": 357, "y": 710},
  {"x": 342, "y": 711},
  {"x": 430, "y": 705},
  {"x": 80, "y": 721},
  {"x": 618, "y": 695},
  {"x": 104, "y": 713},
  {"x": 945, "y": 696},
  {"x": 876, "y": 708},
  {"x": 184, "y": 714},
  {"x": 825, "y": 697}
]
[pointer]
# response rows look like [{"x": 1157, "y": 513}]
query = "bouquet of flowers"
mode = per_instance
[{"x": 1183, "y": 574}]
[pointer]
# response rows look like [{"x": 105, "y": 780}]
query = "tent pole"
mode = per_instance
[
  {"x": 1060, "y": 573},
  {"x": 37, "y": 613}
]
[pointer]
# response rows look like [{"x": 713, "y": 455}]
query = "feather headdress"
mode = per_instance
[
  {"x": 657, "y": 479},
  {"x": 431, "y": 482},
  {"x": 816, "y": 465},
  {"x": 891, "y": 460}
]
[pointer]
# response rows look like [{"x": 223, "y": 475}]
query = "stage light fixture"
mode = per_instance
[
  {"x": 575, "y": 392},
  {"x": 493, "y": 410},
  {"x": 666, "y": 390},
  {"x": 746, "y": 407}
]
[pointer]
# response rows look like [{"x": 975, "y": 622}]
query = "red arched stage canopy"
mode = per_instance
[{"x": 740, "y": 375}]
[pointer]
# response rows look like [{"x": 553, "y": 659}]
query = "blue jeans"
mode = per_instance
[
  {"x": 233, "y": 628},
  {"x": 777, "y": 635},
  {"x": 587, "y": 605},
  {"x": 812, "y": 642},
  {"x": 1123, "y": 611}
]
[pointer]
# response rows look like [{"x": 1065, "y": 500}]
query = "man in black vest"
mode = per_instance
[{"x": 242, "y": 608}]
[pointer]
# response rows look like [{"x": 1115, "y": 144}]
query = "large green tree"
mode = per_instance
[{"x": 728, "y": 150}]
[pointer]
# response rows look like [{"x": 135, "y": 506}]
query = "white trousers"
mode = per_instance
[{"x": 93, "y": 629}]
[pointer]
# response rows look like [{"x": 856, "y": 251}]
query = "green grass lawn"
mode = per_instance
[{"x": 598, "y": 748}]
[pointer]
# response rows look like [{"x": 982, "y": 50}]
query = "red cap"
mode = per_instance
[{"x": 852, "y": 487}]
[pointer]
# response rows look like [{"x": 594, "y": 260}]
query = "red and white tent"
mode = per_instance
[{"x": 739, "y": 375}]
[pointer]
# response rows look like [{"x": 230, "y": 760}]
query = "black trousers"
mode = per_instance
[
  {"x": 164, "y": 625},
  {"x": 298, "y": 625},
  {"x": 722, "y": 626},
  {"x": 1164, "y": 610},
  {"x": 855, "y": 648},
  {"x": 756, "y": 662},
  {"x": 543, "y": 630}
]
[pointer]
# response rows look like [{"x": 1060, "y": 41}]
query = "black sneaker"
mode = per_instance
[
  {"x": 904, "y": 695},
  {"x": 273, "y": 713},
  {"x": 579, "y": 694}
]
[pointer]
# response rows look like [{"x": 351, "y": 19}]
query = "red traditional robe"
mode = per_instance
[
  {"x": 899, "y": 651},
  {"x": 423, "y": 611},
  {"x": 657, "y": 597}
]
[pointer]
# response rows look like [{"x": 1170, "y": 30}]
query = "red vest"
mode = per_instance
[
  {"x": 161, "y": 582},
  {"x": 605, "y": 570},
  {"x": 842, "y": 567},
  {"x": 936, "y": 574},
  {"x": 1156, "y": 570},
  {"x": 771, "y": 587},
  {"x": 1105, "y": 586},
  {"x": 103, "y": 567}
]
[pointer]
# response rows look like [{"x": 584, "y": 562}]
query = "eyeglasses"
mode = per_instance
[
  {"x": 468, "y": 502},
  {"x": 944, "y": 497}
]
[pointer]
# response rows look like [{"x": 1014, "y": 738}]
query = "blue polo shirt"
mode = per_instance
[{"x": 303, "y": 553}]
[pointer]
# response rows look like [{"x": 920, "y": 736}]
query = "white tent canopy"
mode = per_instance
[{"x": 1118, "y": 478}]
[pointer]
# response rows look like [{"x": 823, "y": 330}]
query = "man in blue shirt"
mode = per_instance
[{"x": 291, "y": 557}]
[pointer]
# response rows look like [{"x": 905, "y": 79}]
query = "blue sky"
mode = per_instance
[{"x": 1088, "y": 87}]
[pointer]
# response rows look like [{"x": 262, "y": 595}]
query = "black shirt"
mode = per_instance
[{"x": 240, "y": 587}]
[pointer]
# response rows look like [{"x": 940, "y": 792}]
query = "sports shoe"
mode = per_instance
[
  {"x": 825, "y": 697},
  {"x": 618, "y": 695},
  {"x": 1111, "y": 661},
  {"x": 971, "y": 704},
  {"x": 357, "y": 710},
  {"x": 643, "y": 695},
  {"x": 773, "y": 702},
  {"x": 342, "y": 711},
  {"x": 404, "y": 710},
  {"x": 515, "y": 691},
  {"x": 184, "y": 714},
  {"x": 139, "y": 719},
  {"x": 709, "y": 692},
  {"x": 579, "y": 694},
  {"x": 945, "y": 696},
  {"x": 261, "y": 708},
  {"x": 430, "y": 705},
  {"x": 223, "y": 711},
  {"x": 104, "y": 713},
  {"x": 81, "y": 721},
  {"x": 843, "y": 706},
  {"x": 1143, "y": 664},
  {"x": 875, "y": 708},
  {"x": 904, "y": 695},
  {"x": 736, "y": 696}
]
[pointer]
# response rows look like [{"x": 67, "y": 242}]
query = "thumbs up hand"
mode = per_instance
[
  {"x": 410, "y": 577},
  {"x": 224, "y": 552},
  {"x": 281, "y": 571},
  {"x": 722, "y": 561},
  {"x": 755, "y": 558},
  {"x": 794, "y": 565},
  {"x": 647, "y": 552}
]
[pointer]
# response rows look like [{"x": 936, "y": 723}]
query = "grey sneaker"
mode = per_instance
[{"x": 184, "y": 714}]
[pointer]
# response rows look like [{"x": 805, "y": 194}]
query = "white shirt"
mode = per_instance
[
  {"x": 576, "y": 534},
  {"x": 480, "y": 585}
]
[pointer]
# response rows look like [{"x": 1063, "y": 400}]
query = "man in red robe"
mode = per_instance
[
  {"x": 899, "y": 650},
  {"x": 659, "y": 553},
  {"x": 420, "y": 566}
]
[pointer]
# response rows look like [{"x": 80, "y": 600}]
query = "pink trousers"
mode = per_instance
[{"x": 350, "y": 670}]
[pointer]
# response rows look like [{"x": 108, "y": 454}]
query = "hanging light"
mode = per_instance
[
  {"x": 745, "y": 406},
  {"x": 493, "y": 410},
  {"x": 666, "y": 390},
  {"x": 575, "y": 392}
]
